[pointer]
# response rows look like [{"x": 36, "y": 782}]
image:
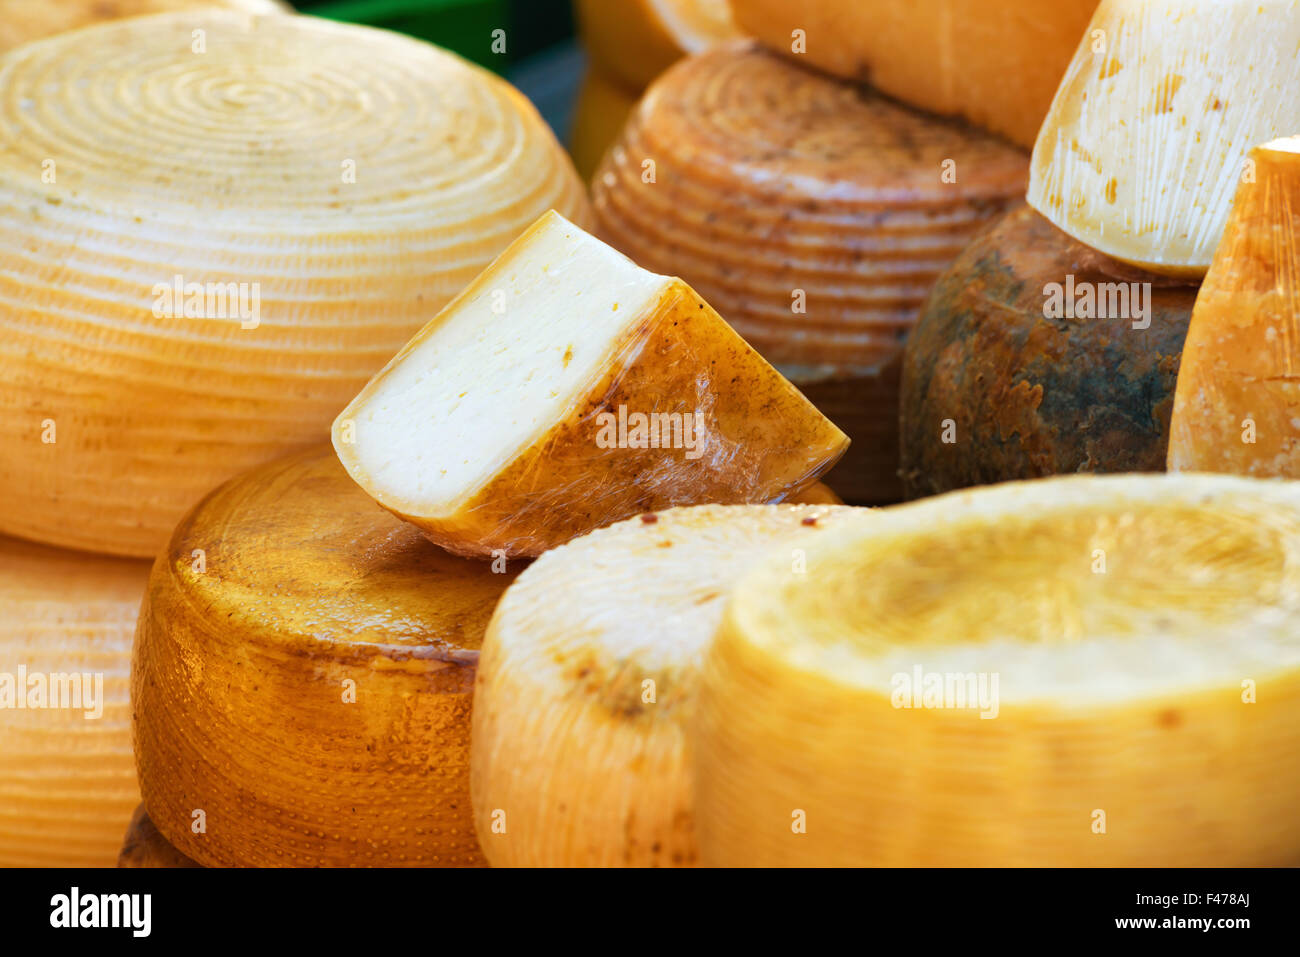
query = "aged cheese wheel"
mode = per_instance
[
  {"x": 598, "y": 117},
  {"x": 67, "y": 779},
  {"x": 581, "y": 754},
  {"x": 25, "y": 20},
  {"x": 145, "y": 847},
  {"x": 317, "y": 190},
  {"x": 633, "y": 41},
  {"x": 1146, "y": 140},
  {"x": 1237, "y": 405},
  {"x": 812, "y": 214},
  {"x": 302, "y": 678},
  {"x": 567, "y": 388},
  {"x": 995, "y": 62},
  {"x": 1036, "y": 355},
  {"x": 1077, "y": 671}
]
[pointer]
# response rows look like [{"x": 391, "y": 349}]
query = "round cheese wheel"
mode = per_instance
[
  {"x": 1036, "y": 355},
  {"x": 67, "y": 779},
  {"x": 145, "y": 847},
  {"x": 581, "y": 754},
  {"x": 814, "y": 215},
  {"x": 302, "y": 678},
  {"x": 213, "y": 230},
  {"x": 24, "y": 20},
  {"x": 1077, "y": 671}
]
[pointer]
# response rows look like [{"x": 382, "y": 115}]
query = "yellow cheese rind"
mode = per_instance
[
  {"x": 1143, "y": 631},
  {"x": 587, "y": 684},
  {"x": 302, "y": 675},
  {"x": 67, "y": 777},
  {"x": 633, "y": 41},
  {"x": 1236, "y": 406},
  {"x": 995, "y": 62},
  {"x": 598, "y": 117},
  {"x": 352, "y": 180},
  {"x": 760, "y": 441},
  {"x": 1146, "y": 140}
]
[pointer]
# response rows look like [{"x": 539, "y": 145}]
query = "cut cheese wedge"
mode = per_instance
[
  {"x": 1037, "y": 355},
  {"x": 567, "y": 388},
  {"x": 302, "y": 679},
  {"x": 581, "y": 753},
  {"x": 1076, "y": 671},
  {"x": 214, "y": 229},
  {"x": 22, "y": 21},
  {"x": 67, "y": 778},
  {"x": 145, "y": 847},
  {"x": 994, "y": 62},
  {"x": 1237, "y": 408},
  {"x": 1146, "y": 140}
]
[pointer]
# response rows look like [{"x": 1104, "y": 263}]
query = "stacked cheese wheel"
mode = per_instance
[
  {"x": 1075, "y": 671},
  {"x": 814, "y": 215},
  {"x": 581, "y": 746},
  {"x": 1001, "y": 381},
  {"x": 67, "y": 780},
  {"x": 213, "y": 230},
  {"x": 302, "y": 679}
]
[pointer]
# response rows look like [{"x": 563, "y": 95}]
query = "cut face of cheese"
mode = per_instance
[
  {"x": 22, "y": 21},
  {"x": 1146, "y": 140},
  {"x": 588, "y": 679},
  {"x": 165, "y": 323},
  {"x": 67, "y": 777},
  {"x": 994, "y": 62},
  {"x": 567, "y": 388},
  {"x": 1037, "y": 355},
  {"x": 1237, "y": 408},
  {"x": 1024, "y": 664},
  {"x": 303, "y": 672},
  {"x": 145, "y": 847}
]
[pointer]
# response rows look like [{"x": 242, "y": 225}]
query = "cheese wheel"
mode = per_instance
[
  {"x": 567, "y": 388},
  {"x": 1092, "y": 670},
  {"x": 302, "y": 679},
  {"x": 1146, "y": 140},
  {"x": 67, "y": 779},
  {"x": 1037, "y": 355},
  {"x": 1235, "y": 409},
  {"x": 994, "y": 62},
  {"x": 213, "y": 230},
  {"x": 598, "y": 117},
  {"x": 816, "y": 228},
  {"x": 24, "y": 20},
  {"x": 145, "y": 847},
  {"x": 633, "y": 41},
  {"x": 581, "y": 752}
]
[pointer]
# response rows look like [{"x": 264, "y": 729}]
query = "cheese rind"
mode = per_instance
[
  {"x": 1031, "y": 663},
  {"x": 995, "y": 62},
  {"x": 1147, "y": 138},
  {"x": 1237, "y": 407},
  {"x": 588, "y": 678},
  {"x": 633, "y": 41},
  {"x": 565, "y": 389}
]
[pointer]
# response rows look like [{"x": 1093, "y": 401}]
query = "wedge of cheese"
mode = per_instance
[
  {"x": 1146, "y": 140},
  {"x": 186, "y": 297},
  {"x": 302, "y": 679},
  {"x": 1237, "y": 408},
  {"x": 145, "y": 847},
  {"x": 581, "y": 751},
  {"x": 994, "y": 62},
  {"x": 67, "y": 778},
  {"x": 1092, "y": 670},
  {"x": 22, "y": 21},
  {"x": 567, "y": 388}
]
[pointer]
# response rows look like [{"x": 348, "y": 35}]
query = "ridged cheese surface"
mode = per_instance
[
  {"x": 581, "y": 751},
  {"x": 1071, "y": 672},
  {"x": 303, "y": 674},
  {"x": 351, "y": 180},
  {"x": 67, "y": 778},
  {"x": 1146, "y": 141}
]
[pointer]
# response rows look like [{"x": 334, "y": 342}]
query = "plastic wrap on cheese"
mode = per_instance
[{"x": 566, "y": 388}]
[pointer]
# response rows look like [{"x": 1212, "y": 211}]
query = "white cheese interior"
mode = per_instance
[{"x": 499, "y": 366}]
